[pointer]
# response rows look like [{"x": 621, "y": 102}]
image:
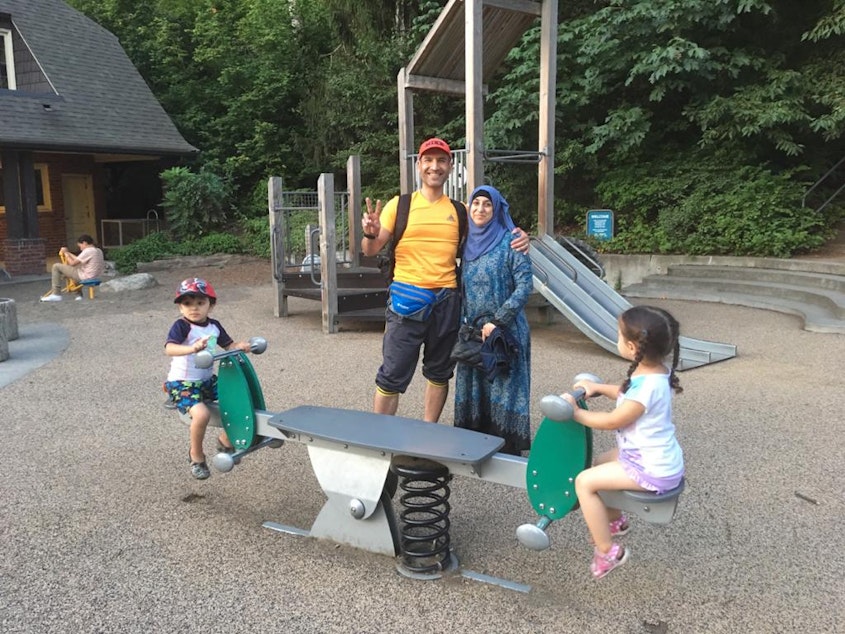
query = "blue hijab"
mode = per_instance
[{"x": 480, "y": 240}]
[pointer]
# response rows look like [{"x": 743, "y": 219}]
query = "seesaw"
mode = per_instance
[
  {"x": 560, "y": 446},
  {"x": 358, "y": 457}
]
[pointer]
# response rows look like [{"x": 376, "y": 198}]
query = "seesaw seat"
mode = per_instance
[
  {"x": 656, "y": 508},
  {"x": 377, "y": 433}
]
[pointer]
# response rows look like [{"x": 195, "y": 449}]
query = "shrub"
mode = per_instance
[
  {"x": 705, "y": 207},
  {"x": 195, "y": 204},
  {"x": 155, "y": 246},
  {"x": 211, "y": 244},
  {"x": 256, "y": 236}
]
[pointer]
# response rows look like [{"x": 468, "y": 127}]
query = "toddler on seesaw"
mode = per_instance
[
  {"x": 648, "y": 456},
  {"x": 187, "y": 385}
]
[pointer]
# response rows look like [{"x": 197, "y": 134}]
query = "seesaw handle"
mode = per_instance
[
  {"x": 205, "y": 359},
  {"x": 555, "y": 407}
]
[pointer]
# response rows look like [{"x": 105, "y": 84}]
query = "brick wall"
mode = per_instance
[
  {"x": 51, "y": 222},
  {"x": 24, "y": 256}
]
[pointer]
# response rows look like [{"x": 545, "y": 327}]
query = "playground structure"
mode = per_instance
[
  {"x": 361, "y": 460},
  {"x": 351, "y": 286}
]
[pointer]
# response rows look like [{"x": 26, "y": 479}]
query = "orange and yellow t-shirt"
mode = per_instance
[{"x": 426, "y": 254}]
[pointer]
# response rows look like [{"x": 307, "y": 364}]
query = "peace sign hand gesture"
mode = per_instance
[{"x": 371, "y": 222}]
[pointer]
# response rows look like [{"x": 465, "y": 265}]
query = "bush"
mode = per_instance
[
  {"x": 211, "y": 244},
  {"x": 195, "y": 204},
  {"x": 158, "y": 246},
  {"x": 705, "y": 207},
  {"x": 155, "y": 246},
  {"x": 256, "y": 236}
]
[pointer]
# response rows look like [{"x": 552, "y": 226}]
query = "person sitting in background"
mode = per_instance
[{"x": 88, "y": 265}]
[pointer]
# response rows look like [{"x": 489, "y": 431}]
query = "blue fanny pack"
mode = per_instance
[{"x": 411, "y": 302}]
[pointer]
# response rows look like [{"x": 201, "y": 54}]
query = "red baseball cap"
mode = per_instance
[{"x": 434, "y": 144}]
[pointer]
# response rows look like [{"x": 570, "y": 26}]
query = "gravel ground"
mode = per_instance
[{"x": 104, "y": 530}]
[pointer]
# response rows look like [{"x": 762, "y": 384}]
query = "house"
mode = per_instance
[{"x": 72, "y": 109}]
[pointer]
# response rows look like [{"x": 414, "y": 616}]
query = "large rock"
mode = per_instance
[{"x": 136, "y": 282}]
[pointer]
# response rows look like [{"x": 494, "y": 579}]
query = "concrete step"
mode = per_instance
[
  {"x": 822, "y": 308},
  {"x": 788, "y": 277}
]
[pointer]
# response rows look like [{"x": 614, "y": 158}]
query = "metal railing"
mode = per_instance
[{"x": 818, "y": 183}]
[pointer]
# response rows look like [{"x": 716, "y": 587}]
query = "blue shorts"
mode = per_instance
[
  {"x": 186, "y": 394},
  {"x": 403, "y": 339}
]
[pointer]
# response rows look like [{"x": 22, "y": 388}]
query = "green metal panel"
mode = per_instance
[
  {"x": 235, "y": 398},
  {"x": 252, "y": 381},
  {"x": 560, "y": 451}
]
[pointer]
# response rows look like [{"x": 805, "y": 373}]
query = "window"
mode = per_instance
[
  {"x": 7, "y": 61},
  {"x": 42, "y": 189}
]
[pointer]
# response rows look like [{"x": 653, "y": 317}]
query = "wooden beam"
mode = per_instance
[
  {"x": 437, "y": 84},
  {"x": 328, "y": 253},
  {"x": 546, "y": 167},
  {"x": 473, "y": 25},
  {"x": 354, "y": 207},
  {"x": 522, "y": 6},
  {"x": 15, "y": 224},
  {"x": 277, "y": 243},
  {"x": 406, "y": 132}
]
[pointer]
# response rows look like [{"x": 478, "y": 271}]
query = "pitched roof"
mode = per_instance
[{"x": 93, "y": 99}]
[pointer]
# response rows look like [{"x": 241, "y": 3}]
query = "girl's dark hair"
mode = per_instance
[{"x": 655, "y": 333}]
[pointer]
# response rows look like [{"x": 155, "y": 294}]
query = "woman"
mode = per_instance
[{"x": 495, "y": 282}]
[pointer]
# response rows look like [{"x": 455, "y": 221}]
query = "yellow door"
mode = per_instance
[{"x": 78, "y": 193}]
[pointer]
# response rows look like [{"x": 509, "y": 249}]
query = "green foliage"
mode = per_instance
[
  {"x": 252, "y": 238},
  {"x": 708, "y": 206},
  {"x": 195, "y": 204},
  {"x": 210, "y": 244},
  {"x": 155, "y": 246},
  {"x": 293, "y": 87},
  {"x": 256, "y": 237}
]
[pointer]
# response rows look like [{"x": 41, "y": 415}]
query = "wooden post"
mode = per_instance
[
  {"x": 473, "y": 24},
  {"x": 328, "y": 256},
  {"x": 355, "y": 206},
  {"x": 277, "y": 244},
  {"x": 406, "y": 132},
  {"x": 546, "y": 166}
]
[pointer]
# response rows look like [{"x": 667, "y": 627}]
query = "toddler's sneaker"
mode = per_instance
[
  {"x": 200, "y": 470},
  {"x": 52, "y": 297},
  {"x": 619, "y": 527},
  {"x": 221, "y": 448},
  {"x": 604, "y": 563}
]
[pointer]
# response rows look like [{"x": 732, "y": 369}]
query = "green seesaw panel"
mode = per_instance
[
  {"x": 560, "y": 451},
  {"x": 252, "y": 381},
  {"x": 237, "y": 388}
]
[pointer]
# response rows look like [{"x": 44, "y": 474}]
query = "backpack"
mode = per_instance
[{"x": 403, "y": 210}]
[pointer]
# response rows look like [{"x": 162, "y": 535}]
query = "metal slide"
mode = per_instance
[{"x": 593, "y": 306}]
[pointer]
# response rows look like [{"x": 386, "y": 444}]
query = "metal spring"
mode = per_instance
[{"x": 424, "y": 521}]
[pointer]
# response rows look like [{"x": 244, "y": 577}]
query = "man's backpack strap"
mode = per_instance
[
  {"x": 403, "y": 210},
  {"x": 462, "y": 225}
]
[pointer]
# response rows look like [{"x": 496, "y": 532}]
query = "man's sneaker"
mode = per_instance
[
  {"x": 200, "y": 470},
  {"x": 619, "y": 527},
  {"x": 78, "y": 298},
  {"x": 605, "y": 562},
  {"x": 52, "y": 297}
]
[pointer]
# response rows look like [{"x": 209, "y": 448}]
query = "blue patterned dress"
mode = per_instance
[{"x": 498, "y": 284}]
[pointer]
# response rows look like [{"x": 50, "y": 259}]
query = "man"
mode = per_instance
[
  {"x": 88, "y": 265},
  {"x": 425, "y": 258}
]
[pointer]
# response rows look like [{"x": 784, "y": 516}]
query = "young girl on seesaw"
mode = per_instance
[{"x": 648, "y": 456}]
